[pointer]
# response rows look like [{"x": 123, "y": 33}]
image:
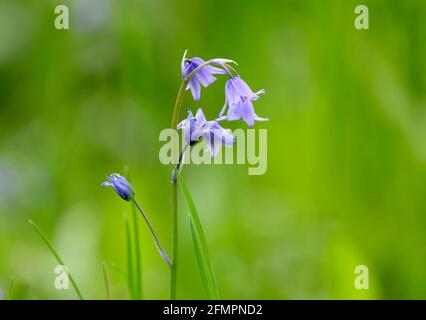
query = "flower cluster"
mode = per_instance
[{"x": 238, "y": 103}]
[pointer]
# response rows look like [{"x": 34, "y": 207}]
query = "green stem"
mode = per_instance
[
  {"x": 156, "y": 239},
  {"x": 173, "y": 268},
  {"x": 56, "y": 255},
  {"x": 178, "y": 103}
]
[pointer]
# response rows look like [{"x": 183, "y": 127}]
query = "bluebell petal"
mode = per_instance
[
  {"x": 195, "y": 88},
  {"x": 234, "y": 113},
  {"x": 200, "y": 117},
  {"x": 239, "y": 98},
  {"x": 212, "y": 142},
  {"x": 204, "y": 77},
  {"x": 221, "y": 61},
  {"x": 183, "y": 64},
  {"x": 247, "y": 112},
  {"x": 231, "y": 92}
]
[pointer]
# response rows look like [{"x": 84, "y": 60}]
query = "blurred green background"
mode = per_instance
[{"x": 345, "y": 184}]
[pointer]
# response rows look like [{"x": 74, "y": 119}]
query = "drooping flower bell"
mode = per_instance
[
  {"x": 203, "y": 77},
  {"x": 121, "y": 186},
  {"x": 239, "y": 99},
  {"x": 196, "y": 128}
]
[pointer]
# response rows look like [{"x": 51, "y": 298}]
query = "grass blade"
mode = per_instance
[
  {"x": 120, "y": 272},
  {"x": 138, "y": 266},
  {"x": 130, "y": 276},
  {"x": 56, "y": 255},
  {"x": 106, "y": 279},
  {"x": 208, "y": 286},
  {"x": 200, "y": 244},
  {"x": 10, "y": 287},
  {"x": 137, "y": 249}
]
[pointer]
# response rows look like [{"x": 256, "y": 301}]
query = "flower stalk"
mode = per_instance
[
  {"x": 151, "y": 228},
  {"x": 175, "y": 118},
  {"x": 125, "y": 190}
]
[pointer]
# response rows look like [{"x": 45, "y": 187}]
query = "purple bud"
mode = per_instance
[{"x": 121, "y": 186}]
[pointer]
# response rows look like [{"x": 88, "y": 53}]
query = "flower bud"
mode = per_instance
[{"x": 121, "y": 186}]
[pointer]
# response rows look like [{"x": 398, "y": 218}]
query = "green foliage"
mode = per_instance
[
  {"x": 200, "y": 244},
  {"x": 56, "y": 256}
]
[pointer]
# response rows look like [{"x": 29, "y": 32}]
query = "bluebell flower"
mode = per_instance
[
  {"x": 216, "y": 137},
  {"x": 196, "y": 128},
  {"x": 190, "y": 124},
  {"x": 239, "y": 98},
  {"x": 121, "y": 186},
  {"x": 204, "y": 77}
]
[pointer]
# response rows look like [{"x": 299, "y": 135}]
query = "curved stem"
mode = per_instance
[
  {"x": 178, "y": 103},
  {"x": 157, "y": 241}
]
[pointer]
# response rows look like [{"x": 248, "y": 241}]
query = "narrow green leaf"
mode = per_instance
[
  {"x": 120, "y": 271},
  {"x": 10, "y": 287},
  {"x": 200, "y": 244},
  {"x": 137, "y": 248},
  {"x": 201, "y": 261},
  {"x": 106, "y": 280},
  {"x": 130, "y": 274},
  {"x": 56, "y": 255}
]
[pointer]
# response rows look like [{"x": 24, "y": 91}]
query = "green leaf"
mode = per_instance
[
  {"x": 137, "y": 272},
  {"x": 200, "y": 244},
  {"x": 106, "y": 280},
  {"x": 119, "y": 271},
  {"x": 130, "y": 273},
  {"x": 10, "y": 287},
  {"x": 137, "y": 248},
  {"x": 56, "y": 255}
]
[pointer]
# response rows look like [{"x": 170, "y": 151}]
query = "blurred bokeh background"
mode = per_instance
[{"x": 345, "y": 184}]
